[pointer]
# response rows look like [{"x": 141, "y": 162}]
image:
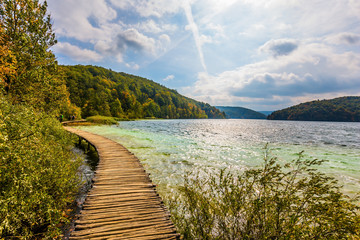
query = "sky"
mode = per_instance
[{"x": 259, "y": 54}]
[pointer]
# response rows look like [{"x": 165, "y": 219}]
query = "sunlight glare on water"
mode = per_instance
[{"x": 170, "y": 148}]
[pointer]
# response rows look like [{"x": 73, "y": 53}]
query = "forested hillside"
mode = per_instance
[
  {"x": 343, "y": 109},
  {"x": 99, "y": 91},
  {"x": 241, "y": 113}
]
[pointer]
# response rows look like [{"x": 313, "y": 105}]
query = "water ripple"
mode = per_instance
[{"x": 170, "y": 148}]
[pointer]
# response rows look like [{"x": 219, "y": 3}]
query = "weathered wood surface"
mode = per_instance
[{"x": 123, "y": 203}]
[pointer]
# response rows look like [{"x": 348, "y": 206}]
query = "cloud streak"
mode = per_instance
[{"x": 195, "y": 30}]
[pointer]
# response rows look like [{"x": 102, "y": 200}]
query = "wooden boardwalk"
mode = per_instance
[{"x": 123, "y": 203}]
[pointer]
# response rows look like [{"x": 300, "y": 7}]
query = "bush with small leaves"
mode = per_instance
[
  {"x": 38, "y": 173},
  {"x": 289, "y": 201}
]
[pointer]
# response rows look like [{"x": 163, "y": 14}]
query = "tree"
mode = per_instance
[
  {"x": 151, "y": 109},
  {"x": 7, "y": 62},
  {"x": 38, "y": 172},
  {"x": 27, "y": 31},
  {"x": 116, "y": 110}
]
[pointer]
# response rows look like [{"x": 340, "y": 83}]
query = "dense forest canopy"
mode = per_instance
[
  {"x": 343, "y": 109},
  {"x": 100, "y": 91},
  {"x": 241, "y": 113}
]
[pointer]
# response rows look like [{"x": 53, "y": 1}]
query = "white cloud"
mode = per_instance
[
  {"x": 103, "y": 46},
  {"x": 168, "y": 78},
  {"x": 212, "y": 8},
  {"x": 108, "y": 48},
  {"x": 306, "y": 18},
  {"x": 206, "y": 39},
  {"x": 150, "y": 26},
  {"x": 273, "y": 3},
  {"x": 76, "y": 53},
  {"x": 346, "y": 38},
  {"x": 216, "y": 29},
  {"x": 132, "y": 66},
  {"x": 313, "y": 69},
  {"x": 131, "y": 38},
  {"x": 148, "y": 8},
  {"x": 128, "y": 39},
  {"x": 165, "y": 38},
  {"x": 163, "y": 42},
  {"x": 84, "y": 20},
  {"x": 122, "y": 4},
  {"x": 96, "y": 24},
  {"x": 354, "y": 7},
  {"x": 279, "y": 47},
  {"x": 324, "y": 17}
]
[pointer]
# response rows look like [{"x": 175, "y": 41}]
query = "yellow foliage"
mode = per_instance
[
  {"x": 107, "y": 83},
  {"x": 7, "y": 61}
]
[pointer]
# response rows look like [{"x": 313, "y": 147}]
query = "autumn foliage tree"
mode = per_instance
[
  {"x": 7, "y": 61},
  {"x": 34, "y": 77},
  {"x": 38, "y": 172}
]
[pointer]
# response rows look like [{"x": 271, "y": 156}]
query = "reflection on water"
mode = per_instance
[{"x": 170, "y": 148}]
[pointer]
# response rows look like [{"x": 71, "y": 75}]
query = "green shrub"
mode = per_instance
[
  {"x": 38, "y": 173},
  {"x": 102, "y": 120},
  {"x": 290, "y": 201}
]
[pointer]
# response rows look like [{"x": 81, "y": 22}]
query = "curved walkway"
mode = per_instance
[{"x": 123, "y": 203}]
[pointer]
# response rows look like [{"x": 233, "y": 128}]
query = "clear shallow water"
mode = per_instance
[{"x": 170, "y": 148}]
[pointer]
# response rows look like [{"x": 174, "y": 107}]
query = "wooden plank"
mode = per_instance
[{"x": 123, "y": 203}]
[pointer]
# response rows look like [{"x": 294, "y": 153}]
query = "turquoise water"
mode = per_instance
[{"x": 168, "y": 149}]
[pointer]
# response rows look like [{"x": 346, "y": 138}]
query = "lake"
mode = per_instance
[{"x": 169, "y": 149}]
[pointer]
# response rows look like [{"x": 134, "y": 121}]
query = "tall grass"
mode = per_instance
[
  {"x": 105, "y": 120},
  {"x": 289, "y": 201},
  {"x": 101, "y": 120}
]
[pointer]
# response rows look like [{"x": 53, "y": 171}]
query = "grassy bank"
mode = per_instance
[{"x": 105, "y": 120}]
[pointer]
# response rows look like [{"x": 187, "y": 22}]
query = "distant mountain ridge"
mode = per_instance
[
  {"x": 241, "y": 113},
  {"x": 343, "y": 109},
  {"x": 267, "y": 113}
]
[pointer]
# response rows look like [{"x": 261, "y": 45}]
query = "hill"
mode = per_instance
[
  {"x": 343, "y": 109},
  {"x": 100, "y": 91},
  {"x": 241, "y": 113}
]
